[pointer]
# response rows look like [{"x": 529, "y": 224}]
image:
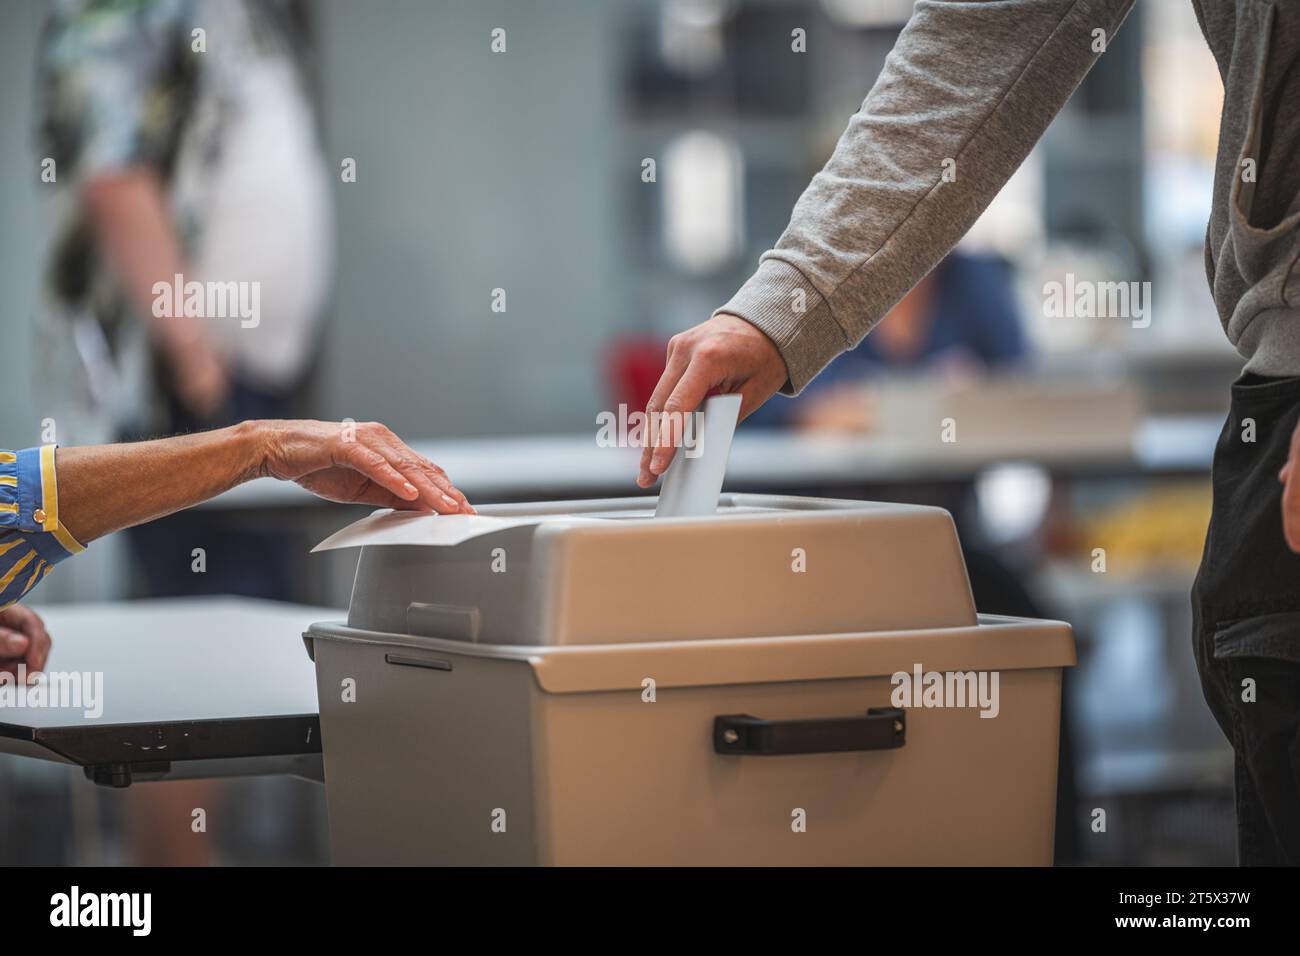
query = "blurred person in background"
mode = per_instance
[
  {"x": 186, "y": 146},
  {"x": 193, "y": 154},
  {"x": 960, "y": 321},
  {"x": 968, "y": 89}
]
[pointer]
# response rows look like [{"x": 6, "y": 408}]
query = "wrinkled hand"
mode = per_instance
[
  {"x": 23, "y": 640},
  {"x": 1290, "y": 478},
  {"x": 724, "y": 354},
  {"x": 356, "y": 462}
]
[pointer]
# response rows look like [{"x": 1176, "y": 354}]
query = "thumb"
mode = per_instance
[{"x": 12, "y": 643}]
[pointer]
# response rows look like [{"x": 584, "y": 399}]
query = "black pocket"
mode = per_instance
[
  {"x": 1273, "y": 636},
  {"x": 1252, "y": 390}
]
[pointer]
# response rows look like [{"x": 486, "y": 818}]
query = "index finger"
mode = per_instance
[
  {"x": 375, "y": 466},
  {"x": 435, "y": 487},
  {"x": 667, "y": 382},
  {"x": 686, "y": 397}
]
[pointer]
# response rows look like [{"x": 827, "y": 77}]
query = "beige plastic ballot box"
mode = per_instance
[{"x": 580, "y": 683}]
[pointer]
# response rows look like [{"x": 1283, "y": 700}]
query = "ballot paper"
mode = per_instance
[
  {"x": 414, "y": 527},
  {"x": 694, "y": 480},
  {"x": 691, "y": 489}
]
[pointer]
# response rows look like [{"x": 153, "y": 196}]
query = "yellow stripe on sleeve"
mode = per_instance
[
  {"x": 36, "y": 576},
  {"x": 9, "y": 481},
  {"x": 7, "y": 458},
  {"x": 50, "y": 502},
  {"x": 13, "y": 572},
  {"x": 49, "y": 489},
  {"x": 70, "y": 544},
  {"x": 10, "y": 545}
]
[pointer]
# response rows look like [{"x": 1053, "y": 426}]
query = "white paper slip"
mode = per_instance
[
  {"x": 411, "y": 527},
  {"x": 694, "y": 479}
]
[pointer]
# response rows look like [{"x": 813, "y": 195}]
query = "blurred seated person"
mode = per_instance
[{"x": 962, "y": 320}]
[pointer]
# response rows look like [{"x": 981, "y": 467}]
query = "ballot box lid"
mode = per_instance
[
  {"x": 607, "y": 572},
  {"x": 993, "y": 644}
]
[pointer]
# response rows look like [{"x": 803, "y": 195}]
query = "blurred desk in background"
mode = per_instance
[{"x": 556, "y": 466}]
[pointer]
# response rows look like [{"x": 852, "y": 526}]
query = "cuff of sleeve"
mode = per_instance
[
  {"x": 780, "y": 301},
  {"x": 38, "y": 496}
]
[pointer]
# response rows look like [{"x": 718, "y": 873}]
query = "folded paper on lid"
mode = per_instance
[
  {"x": 418, "y": 528},
  {"x": 691, "y": 489}
]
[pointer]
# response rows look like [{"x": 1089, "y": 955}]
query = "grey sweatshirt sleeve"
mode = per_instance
[{"x": 967, "y": 90}]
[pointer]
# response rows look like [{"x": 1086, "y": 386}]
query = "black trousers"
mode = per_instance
[{"x": 1246, "y": 619}]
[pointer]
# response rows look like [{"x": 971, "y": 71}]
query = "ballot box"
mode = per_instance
[{"x": 787, "y": 681}]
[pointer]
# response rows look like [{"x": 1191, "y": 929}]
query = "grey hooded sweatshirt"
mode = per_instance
[{"x": 967, "y": 90}]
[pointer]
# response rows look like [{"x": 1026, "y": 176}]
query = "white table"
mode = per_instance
[{"x": 191, "y": 687}]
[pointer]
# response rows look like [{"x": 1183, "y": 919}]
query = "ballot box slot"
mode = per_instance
[
  {"x": 881, "y": 728},
  {"x": 433, "y": 664}
]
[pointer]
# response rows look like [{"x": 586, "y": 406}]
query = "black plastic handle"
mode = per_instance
[{"x": 881, "y": 728}]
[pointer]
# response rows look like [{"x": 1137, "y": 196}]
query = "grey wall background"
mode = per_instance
[
  {"x": 21, "y": 236},
  {"x": 475, "y": 171}
]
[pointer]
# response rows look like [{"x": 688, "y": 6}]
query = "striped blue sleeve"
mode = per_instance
[{"x": 32, "y": 540}]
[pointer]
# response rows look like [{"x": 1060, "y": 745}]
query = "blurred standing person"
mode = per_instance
[
  {"x": 186, "y": 146},
  {"x": 186, "y": 150}
]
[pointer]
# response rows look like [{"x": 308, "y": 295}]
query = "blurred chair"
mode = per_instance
[{"x": 633, "y": 365}]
